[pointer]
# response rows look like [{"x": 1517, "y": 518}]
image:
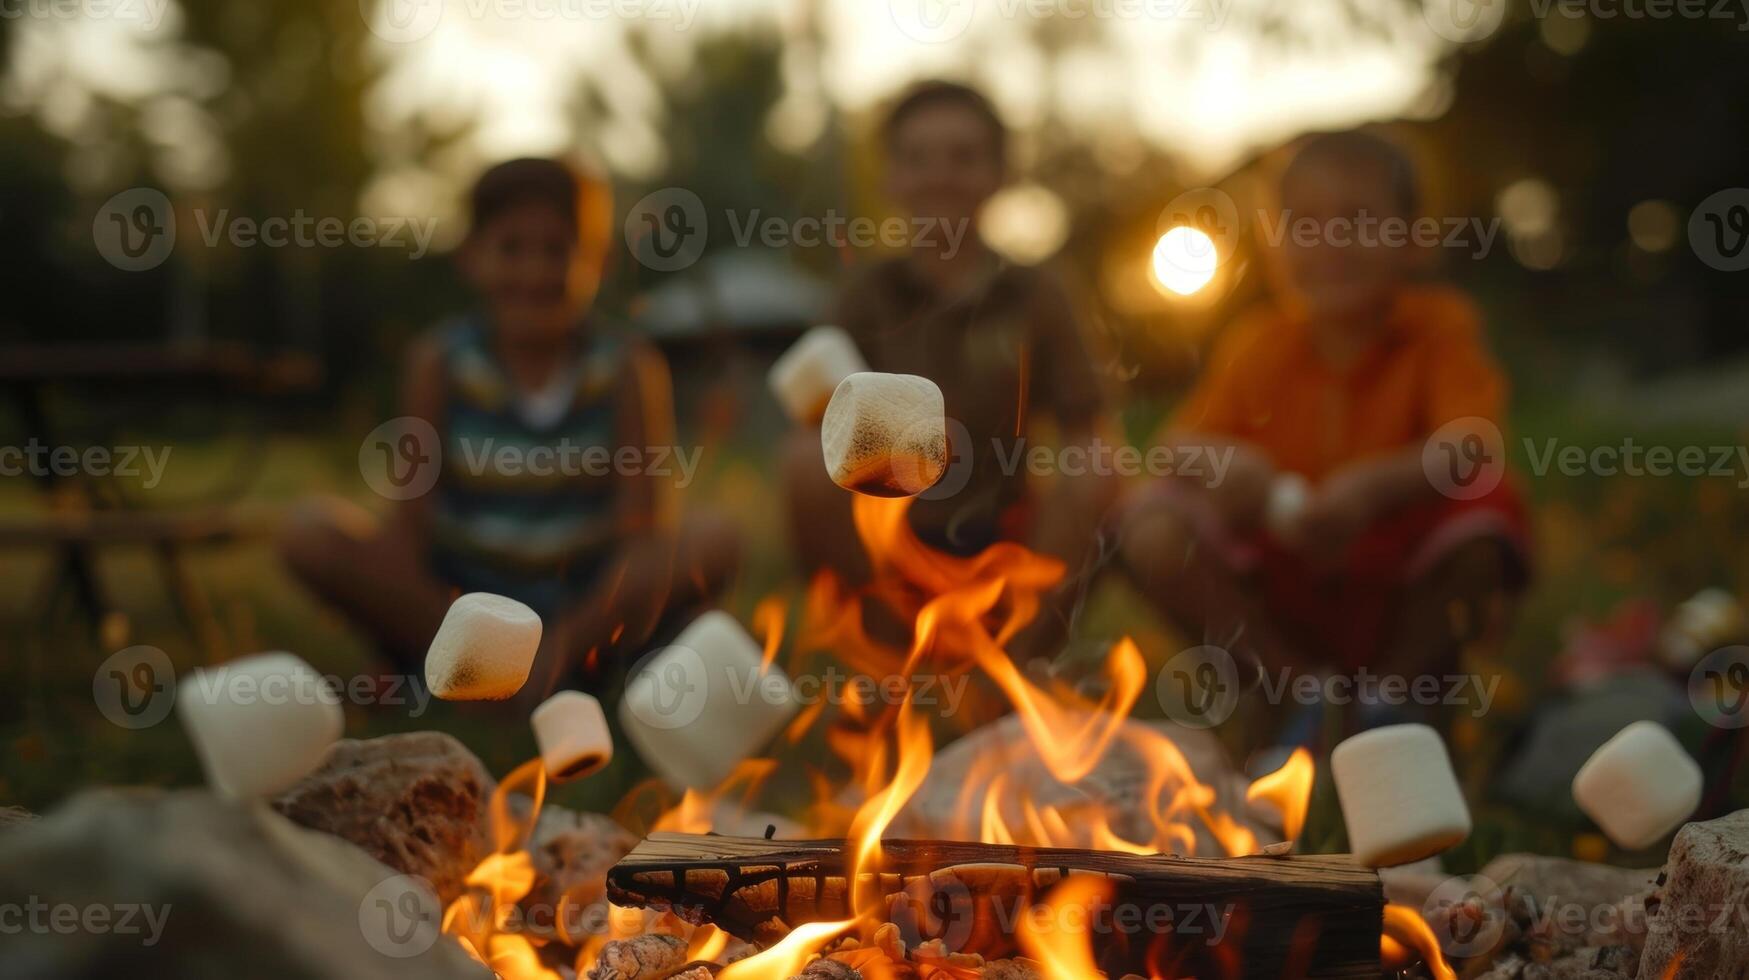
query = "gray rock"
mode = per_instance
[
  {"x": 1508, "y": 967},
  {"x": 1697, "y": 925},
  {"x": 962, "y": 772},
  {"x": 418, "y": 802},
  {"x": 571, "y": 853},
  {"x": 1560, "y": 906},
  {"x": 1582, "y": 964},
  {"x": 1540, "y": 774},
  {"x": 183, "y": 884},
  {"x": 11, "y": 816}
]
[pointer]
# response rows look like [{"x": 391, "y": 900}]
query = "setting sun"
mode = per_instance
[{"x": 1185, "y": 260}]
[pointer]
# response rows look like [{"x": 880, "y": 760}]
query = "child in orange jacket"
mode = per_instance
[{"x": 1362, "y": 519}]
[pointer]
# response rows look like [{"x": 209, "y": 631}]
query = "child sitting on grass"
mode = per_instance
[
  {"x": 1390, "y": 565},
  {"x": 1002, "y": 342},
  {"x": 528, "y": 395}
]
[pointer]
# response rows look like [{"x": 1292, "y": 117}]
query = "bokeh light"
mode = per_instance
[{"x": 1185, "y": 260}]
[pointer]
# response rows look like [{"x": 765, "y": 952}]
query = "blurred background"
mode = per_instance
[{"x": 1597, "y": 142}]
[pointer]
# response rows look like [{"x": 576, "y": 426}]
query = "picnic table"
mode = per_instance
[{"x": 83, "y": 515}]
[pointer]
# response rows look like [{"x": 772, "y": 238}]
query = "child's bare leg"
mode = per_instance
[
  {"x": 821, "y": 528},
  {"x": 1195, "y": 591},
  {"x": 1068, "y": 526},
  {"x": 361, "y": 566},
  {"x": 1463, "y": 604},
  {"x": 652, "y": 576}
]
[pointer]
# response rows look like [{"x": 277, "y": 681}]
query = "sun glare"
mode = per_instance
[{"x": 1185, "y": 260}]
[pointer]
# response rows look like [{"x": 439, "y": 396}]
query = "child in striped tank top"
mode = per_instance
[{"x": 552, "y": 459}]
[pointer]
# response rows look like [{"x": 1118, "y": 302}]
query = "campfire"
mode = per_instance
[{"x": 1005, "y": 876}]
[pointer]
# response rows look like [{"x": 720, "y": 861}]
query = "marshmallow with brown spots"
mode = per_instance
[
  {"x": 571, "y": 731},
  {"x": 804, "y": 378},
  {"x": 698, "y": 707},
  {"x": 885, "y": 434},
  {"x": 259, "y": 724},
  {"x": 1400, "y": 798},
  {"x": 1639, "y": 785},
  {"x": 484, "y": 649}
]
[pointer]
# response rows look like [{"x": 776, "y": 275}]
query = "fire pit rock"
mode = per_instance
[
  {"x": 12, "y": 816},
  {"x": 1563, "y": 907},
  {"x": 417, "y": 802},
  {"x": 1695, "y": 929},
  {"x": 962, "y": 773},
  {"x": 183, "y": 884},
  {"x": 572, "y": 852}
]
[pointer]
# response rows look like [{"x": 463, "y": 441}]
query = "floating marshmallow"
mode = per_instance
[
  {"x": 259, "y": 724},
  {"x": 804, "y": 378},
  {"x": 1288, "y": 496},
  {"x": 1712, "y": 618},
  {"x": 885, "y": 434},
  {"x": 1400, "y": 798},
  {"x": 1639, "y": 785},
  {"x": 484, "y": 649},
  {"x": 700, "y": 706},
  {"x": 571, "y": 731}
]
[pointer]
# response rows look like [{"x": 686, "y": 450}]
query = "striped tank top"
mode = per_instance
[{"x": 524, "y": 506}]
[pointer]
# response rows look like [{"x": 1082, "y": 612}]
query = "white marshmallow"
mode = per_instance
[
  {"x": 571, "y": 731},
  {"x": 1400, "y": 798},
  {"x": 1639, "y": 785},
  {"x": 885, "y": 434},
  {"x": 1712, "y": 618},
  {"x": 259, "y": 724},
  {"x": 484, "y": 649},
  {"x": 804, "y": 378},
  {"x": 698, "y": 707},
  {"x": 1288, "y": 496}
]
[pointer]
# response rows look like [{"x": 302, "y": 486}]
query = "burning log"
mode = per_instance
[{"x": 1252, "y": 916}]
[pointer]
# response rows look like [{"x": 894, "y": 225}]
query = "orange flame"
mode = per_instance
[
  {"x": 961, "y": 613},
  {"x": 1062, "y": 952},
  {"x": 787, "y": 957},
  {"x": 1406, "y": 933},
  {"x": 1288, "y": 790},
  {"x": 915, "y": 752}
]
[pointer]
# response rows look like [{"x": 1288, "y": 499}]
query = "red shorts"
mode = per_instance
[{"x": 1342, "y": 616}]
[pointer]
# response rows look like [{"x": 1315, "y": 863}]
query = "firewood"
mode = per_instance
[{"x": 1251, "y": 916}]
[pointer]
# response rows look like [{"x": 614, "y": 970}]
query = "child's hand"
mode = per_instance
[
  {"x": 1242, "y": 495},
  {"x": 1340, "y": 509}
]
